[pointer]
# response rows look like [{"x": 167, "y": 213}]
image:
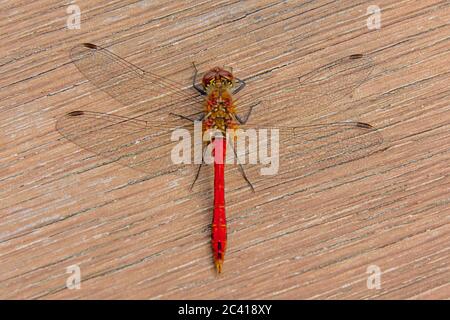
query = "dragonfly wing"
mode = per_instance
[
  {"x": 289, "y": 98},
  {"x": 131, "y": 85},
  {"x": 338, "y": 78},
  {"x": 290, "y": 153},
  {"x": 134, "y": 143}
]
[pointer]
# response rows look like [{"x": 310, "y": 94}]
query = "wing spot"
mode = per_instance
[
  {"x": 356, "y": 56},
  {"x": 75, "y": 113},
  {"x": 364, "y": 125},
  {"x": 90, "y": 45}
]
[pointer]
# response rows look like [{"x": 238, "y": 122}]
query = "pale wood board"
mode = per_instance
[{"x": 137, "y": 237}]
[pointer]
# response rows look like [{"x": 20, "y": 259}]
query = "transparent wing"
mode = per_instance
[
  {"x": 131, "y": 142},
  {"x": 294, "y": 98},
  {"x": 132, "y": 86},
  {"x": 290, "y": 153}
]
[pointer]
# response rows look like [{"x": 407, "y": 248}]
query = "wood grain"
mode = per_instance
[{"x": 137, "y": 236}]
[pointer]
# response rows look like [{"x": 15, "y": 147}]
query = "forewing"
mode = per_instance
[
  {"x": 293, "y": 97},
  {"x": 131, "y": 85}
]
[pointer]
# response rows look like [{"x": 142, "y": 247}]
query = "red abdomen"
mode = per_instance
[{"x": 219, "y": 223}]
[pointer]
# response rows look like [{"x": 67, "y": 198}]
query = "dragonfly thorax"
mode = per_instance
[{"x": 219, "y": 110}]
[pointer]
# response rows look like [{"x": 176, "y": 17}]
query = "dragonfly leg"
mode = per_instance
[
  {"x": 198, "y": 171},
  {"x": 194, "y": 82},
  {"x": 241, "y": 169},
  {"x": 202, "y": 116},
  {"x": 245, "y": 119},
  {"x": 240, "y": 86},
  {"x": 196, "y": 176}
]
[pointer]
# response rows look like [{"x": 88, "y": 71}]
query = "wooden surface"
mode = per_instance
[{"x": 134, "y": 236}]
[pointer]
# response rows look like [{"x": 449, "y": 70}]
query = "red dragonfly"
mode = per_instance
[{"x": 304, "y": 134}]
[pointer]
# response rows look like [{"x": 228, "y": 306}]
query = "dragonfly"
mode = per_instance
[{"x": 282, "y": 130}]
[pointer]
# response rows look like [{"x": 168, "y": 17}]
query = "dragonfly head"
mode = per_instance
[{"x": 218, "y": 77}]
